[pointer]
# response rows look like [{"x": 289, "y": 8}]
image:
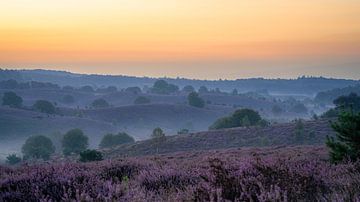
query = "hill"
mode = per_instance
[
  {"x": 302, "y": 85},
  {"x": 281, "y": 134}
]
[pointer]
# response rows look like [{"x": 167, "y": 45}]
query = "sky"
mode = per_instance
[{"x": 205, "y": 39}]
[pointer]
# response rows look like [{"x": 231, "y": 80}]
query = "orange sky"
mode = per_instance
[{"x": 192, "y": 38}]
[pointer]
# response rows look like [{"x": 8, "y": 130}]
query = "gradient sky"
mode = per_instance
[{"x": 208, "y": 39}]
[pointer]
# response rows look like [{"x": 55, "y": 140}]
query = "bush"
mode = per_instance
[
  {"x": 110, "y": 140},
  {"x": 11, "y": 99},
  {"x": 241, "y": 117},
  {"x": 38, "y": 147},
  {"x": 74, "y": 141},
  {"x": 157, "y": 133},
  {"x": 195, "y": 101},
  {"x": 347, "y": 142},
  {"x": 90, "y": 155},
  {"x": 163, "y": 87},
  {"x": 100, "y": 103},
  {"x": 12, "y": 159},
  {"x": 142, "y": 100},
  {"x": 44, "y": 107}
]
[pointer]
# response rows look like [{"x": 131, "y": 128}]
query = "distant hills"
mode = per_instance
[{"x": 301, "y": 85}]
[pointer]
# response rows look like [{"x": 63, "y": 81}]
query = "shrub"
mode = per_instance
[
  {"x": 347, "y": 143},
  {"x": 163, "y": 87},
  {"x": 158, "y": 133},
  {"x": 188, "y": 89},
  {"x": 110, "y": 140},
  {"x": 141, "y": 100},
  {"x": 74, "y": 141},
  {"x": 12, "y": 159},
  {"x": 241, "y": 117},
  {"x": 195, "y": 101},
  {"x": 44, "y": 107},
  {"x": 100, "y": 103},
  {"x": 11, "y": 99},
  {"x": 183, "y": 131},
  {"x": 38, "y": 147},
  {"x": 90, "y": 155}
]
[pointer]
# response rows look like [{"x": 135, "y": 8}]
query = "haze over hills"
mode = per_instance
[{"x": 301, "y": 85}]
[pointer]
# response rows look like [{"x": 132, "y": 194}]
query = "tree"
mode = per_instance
[
  {"x": 142, "y": 100},
  {"x": 11, "y": 99},
  {"x": 38, "y": 147},
  {"x": 87, "y": 89},
  {"x": 74, "y": 141},
  {"x": 241, "y": 117},
  {"x": 163, "y": 87},
  {"x": 195, "y": 101},
  {"x": 44, "y": 106},
  {"x": 183, "y": 131},
  {"x": 350, "y": 103},
  {"x": 299, "y": 108},
  {"x": 346, "y": 144},
  {"x": 157, "y": 133},
  {"x": 235, "y": 92},
  {"x": 110, "y": 140},
  {"x": 90, "y": 155},
  {"x": 13, "y": 159},
  {"x": 188, "y": 89},
  {"x": 100, "y": 103},
  {"x": 299, "y": 131},
  {"x": 276, "y": 110},
  {"x": 133, "y": 90},
  {"x": 203, "y": 89}
]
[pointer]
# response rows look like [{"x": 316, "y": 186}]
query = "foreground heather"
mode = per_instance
[{"x": 198, "y": 176}]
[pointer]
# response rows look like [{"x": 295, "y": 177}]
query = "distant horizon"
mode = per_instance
[{"x": 177, "y": 77}]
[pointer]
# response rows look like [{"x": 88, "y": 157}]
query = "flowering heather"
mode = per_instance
[{"x": 271, "y": 174}]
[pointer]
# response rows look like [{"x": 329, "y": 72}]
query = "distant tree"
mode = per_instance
[
  {"x": 188, "y": 89},
  {"x": 195, "y": 101},
  {"x": 9, "y": 84},
  {"x": 299, "y": 108},
  {"x": 38, "y": 147},
  {"x": 87, "y": 89},
  {"x": 163, "y": 87},
  {"x": 100, "y": 103},
  {"x": 235, "y": 92},
  {"x": 134, "y": 90},
  {"x": 109, "y": 89},
  {"x": 157, "y": 133},
  {"x": 13, "y": 159},
  {"x": 68, "y": 88},
  {"x": 68, "y": 99},
  {"x": 74, "y": 141},
  {"x": 299, "y": 131},
  {"x": 276, "y": 110},
  {"x": 241, "y": 117},
  {"x": 11, "y": 99},
  {"x": 44, "y": 106},
  {"x": 347, "y": 142},
  {"x": 183, "y": 131},
  {"x": 110, "y": 140},
  {"x": 203, "y": 89},
  {"x": 90, "y": 155},
  {"x": 142, "y": 100}
]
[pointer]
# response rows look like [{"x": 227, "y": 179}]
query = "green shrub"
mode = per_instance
[
  {"x": 195, "y": 101},
  {"x": 44, "y": 106},
  {"x": 347, "y": 142},
  {"x": 90, "y": 155},
  {"x": 38, "y": 147},
  {"x": 11, "y": 99},
  {"x": 74, "y": 141},
  {"x": 12, "y": 159},
  {"x": 240, "y": 118},
  {"x": 110, "y": 140}
]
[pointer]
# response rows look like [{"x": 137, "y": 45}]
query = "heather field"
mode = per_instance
[{"x": 300, "y": 173}]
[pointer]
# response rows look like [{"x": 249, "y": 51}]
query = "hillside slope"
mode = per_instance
[{"x": 282, "y": 134}]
